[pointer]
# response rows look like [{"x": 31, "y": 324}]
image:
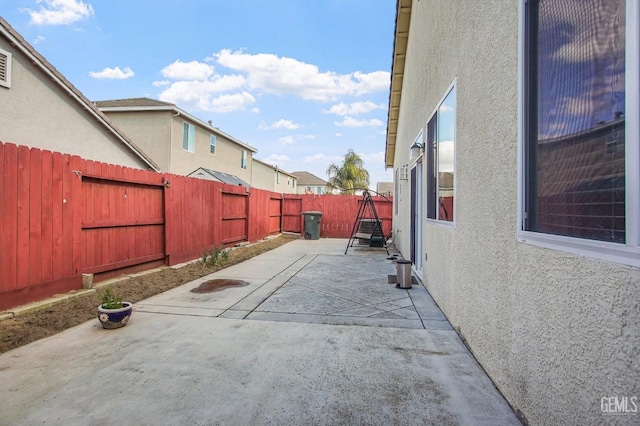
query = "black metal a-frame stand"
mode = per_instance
[{"x": 373, "y": 232}]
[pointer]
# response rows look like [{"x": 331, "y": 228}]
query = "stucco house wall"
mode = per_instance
[
  {"x": 158, "y": 127},
  {"x": 38, "y": 112},
  {"x": 226, "y": 159},
  {"x": 148, "y": 129},
  {"x": 555, "y": 331},
  {"x": 265, "y": 176}
]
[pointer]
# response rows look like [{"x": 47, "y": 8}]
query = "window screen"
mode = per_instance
[{"x": 575, "y": 137}]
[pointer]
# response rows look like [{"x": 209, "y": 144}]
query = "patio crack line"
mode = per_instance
[
  {"x": 366, "y": 305},
  {"x": 267, "y": 282}
]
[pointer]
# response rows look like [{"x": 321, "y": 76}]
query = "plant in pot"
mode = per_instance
[{"x": 113, "y": 312}]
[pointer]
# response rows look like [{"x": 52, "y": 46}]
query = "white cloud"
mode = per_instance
[
  {"x": 307, "y": 137},
  {"x": 193, "y": 70},
  {"x": 446, "y": 152},
  {"x": 161, "y": 83},
  {"x": 255, "y": 110},
  {"x": 235, "y": 102},
  {"x": 352, "y": 122},
  {"x": 280, "y": 124},
  {"x": 60, "y": 12},
  {"x": 376, "y": 157},
  {"x": 38, "y": 40},
  {"x": 200, "y": 94},
  {"x": 287, "y": 140},
  {"x": 323, "y": 158},
  {"x": 354, "y": 108},
  {"x": 282, "y": 75},
  {"x": 113, "y": 73},
  {"x": 277, "y": 159}
]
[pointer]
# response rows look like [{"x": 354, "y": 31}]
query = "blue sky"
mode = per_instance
[{"x": 302, "y": 81}]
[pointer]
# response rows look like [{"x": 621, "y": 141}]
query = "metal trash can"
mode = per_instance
[
  {"x": 403, "y": 277},
  {"x": 312, "y": 225}
]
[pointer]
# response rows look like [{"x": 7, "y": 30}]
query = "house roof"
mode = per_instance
[
  {"x": 147, "y": 104},
  {"x": 219, "y": 176},
  {"x": 400, "y": 40},
  {"x": 275, "y": 168},
  {"x": 16, "y": 39},
  {"x": 133, "y": 102},
  {"x": 306, "y": 178}
]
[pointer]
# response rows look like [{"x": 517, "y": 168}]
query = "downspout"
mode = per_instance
[{"x": 171, "y": 139}]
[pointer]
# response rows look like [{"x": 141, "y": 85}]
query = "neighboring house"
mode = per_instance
[
  {"x": 40, "y": 108},
  {"x": 514, "y": 136},
  {"x": 176, "y": 140},
  {"x": 385, "y": 188},
  {"x": 309, "y": 184},
  {"x": 209, "y": 174},
  {"x": 271, "y": 178}
]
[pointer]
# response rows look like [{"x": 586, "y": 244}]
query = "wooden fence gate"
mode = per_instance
[
  {"x": 291, "y": 208},
  {"x": 122, "y": 223}
]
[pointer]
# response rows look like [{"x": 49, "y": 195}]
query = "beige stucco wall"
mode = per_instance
[
  {"x": 555, "y": 331},
  {"x": 264, "y": 177},
  {"x": 226, "y": 159},
  {"x": 36, "y": 112},
  {"x": 287, "y": 184},
  {"x": 150, "y": 130}
]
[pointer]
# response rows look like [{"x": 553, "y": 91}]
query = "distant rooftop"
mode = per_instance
[
  {"x": 306, "y": 178},
  {"x": 132, "y": 102},
  {"x": 201, "y": 172}
]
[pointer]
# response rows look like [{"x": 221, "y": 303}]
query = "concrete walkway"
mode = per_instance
[{"x": 315, "y": 338}]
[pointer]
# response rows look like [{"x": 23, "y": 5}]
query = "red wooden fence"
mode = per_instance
[{"x": 62, "y": 216}]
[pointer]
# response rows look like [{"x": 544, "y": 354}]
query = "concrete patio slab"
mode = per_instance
[{"x": 318, "y": 338}]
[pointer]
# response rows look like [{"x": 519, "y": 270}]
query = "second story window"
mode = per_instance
[
  {"x": 188, "y": 137},
  {"x": 243, "y": 159},
  {"x": 212, "y": 144}
]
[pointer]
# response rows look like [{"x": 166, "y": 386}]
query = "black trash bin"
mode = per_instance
[{"x": 312, "y": 225}]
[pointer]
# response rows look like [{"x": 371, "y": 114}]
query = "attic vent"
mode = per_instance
[
  {"x": 5, "y": 68},
  {"x": 403, "y": 173}
]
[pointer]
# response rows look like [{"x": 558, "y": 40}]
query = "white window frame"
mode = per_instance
[
  {"x": 191, "y": 137},
  {"x": 212, "y": 144},
  {"x": 6, "y": 82},
  {"x": 429, "y": 198},
  {"x": 243, "y": 159},
  {"x": 628, "y": 253}
]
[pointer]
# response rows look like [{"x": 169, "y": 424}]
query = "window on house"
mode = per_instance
[
  {"x": 440, "y": 152},
  {"x": 575, "y": 139},
  {"x": 188, "y": 137},
  {"x": 243, "y": 159},
  {"x": 212, "y": 144},
  {"x": 5, "y": 68},
  {"x": 278, "y": 177}
]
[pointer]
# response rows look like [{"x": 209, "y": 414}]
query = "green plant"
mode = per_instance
[
  {"x": 218, "y": 256},
  {"x": 110, "y": 300}
]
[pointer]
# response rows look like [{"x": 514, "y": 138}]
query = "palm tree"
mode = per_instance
[{"x": 348, "y": 177}]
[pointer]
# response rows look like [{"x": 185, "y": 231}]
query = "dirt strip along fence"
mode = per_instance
[{"x": 62, "y": 216}]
